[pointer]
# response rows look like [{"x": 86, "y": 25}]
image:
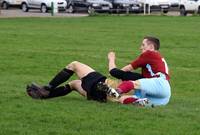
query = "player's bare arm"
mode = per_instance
[
  {"x": 111, "y": 60},
  {"x": 127, "y": 68}
]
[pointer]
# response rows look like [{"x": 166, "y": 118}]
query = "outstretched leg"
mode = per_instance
[
  {"x": 40, "y": 92},
  {"x": 127, "y": 86},
  {"x": 128, "y": 99},
  {"x": 52, "y": 89}
]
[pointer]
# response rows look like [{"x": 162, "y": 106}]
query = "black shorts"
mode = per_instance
[{"x": 89, "y": 83}]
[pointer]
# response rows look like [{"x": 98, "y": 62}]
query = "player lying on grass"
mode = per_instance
[
  {"x": 153, "y": 83},
  {"x": 90, "y": 84},
  {"x": 86, "y": 84}
]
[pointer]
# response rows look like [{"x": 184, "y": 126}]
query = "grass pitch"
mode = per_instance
[{"x": 35, "y": 49}]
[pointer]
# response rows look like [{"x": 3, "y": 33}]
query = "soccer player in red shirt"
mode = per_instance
[{"x": 153, "y": 83}]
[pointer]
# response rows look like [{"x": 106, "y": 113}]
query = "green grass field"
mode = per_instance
[{"x": 35, "y": 49}]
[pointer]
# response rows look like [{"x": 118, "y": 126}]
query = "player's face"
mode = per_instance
[{"x": 145, "y": 46}]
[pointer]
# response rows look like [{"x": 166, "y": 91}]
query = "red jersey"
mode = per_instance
[{"x": 151, "y": 63}]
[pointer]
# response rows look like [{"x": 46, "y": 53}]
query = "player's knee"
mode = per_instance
[
  {"x": 137, "y": 84},
  {"x": 126, "y": 86},
  {"x": 72, "y": 65}
]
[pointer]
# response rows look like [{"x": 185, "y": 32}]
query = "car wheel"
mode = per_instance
[
  {"x": 71, "y": 9},
  {"x": 183, "y": 12},
  {"x": 43, "y": 8},
  {"x": 25, "y": 7},
  {"x": 165, "y": 11},
  {"x": 5, "y": 5}
]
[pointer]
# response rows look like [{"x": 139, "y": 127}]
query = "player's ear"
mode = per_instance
[{"x": 152, "y": 47}]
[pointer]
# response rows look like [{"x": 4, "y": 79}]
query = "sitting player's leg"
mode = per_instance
[
  {"x": 127, "y": 99},
  {"x": 127, "y": 86},
  {"x": 157, "y": 90},
  {"x": 131, "y": 99},
  {"x": 123, "y": 87},
  {"x": 154, "y": 91}
]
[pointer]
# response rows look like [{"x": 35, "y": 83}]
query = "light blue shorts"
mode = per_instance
[{"x": 157, "y": 90}]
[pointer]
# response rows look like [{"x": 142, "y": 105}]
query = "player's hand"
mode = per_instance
[{"x": 111, "y": 56}]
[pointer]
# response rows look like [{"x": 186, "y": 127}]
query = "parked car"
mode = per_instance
[
  {"x": 88, "y": 5},
  {"x": 174, "y": 3},
  {"x": 5, "y": 4},
  {"x": 189, "y": 6},
  {"x": 157, "y": 5},
  {"x": 43, "y": 5},
  {"x": 126, "y": 5}
]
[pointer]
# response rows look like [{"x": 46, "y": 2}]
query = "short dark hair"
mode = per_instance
[{"x": 155, "y": 41}]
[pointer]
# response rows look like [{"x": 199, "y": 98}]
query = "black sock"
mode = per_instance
[
  {"x": 60, "y": 91},
  {"x": 61, "y": 77}
]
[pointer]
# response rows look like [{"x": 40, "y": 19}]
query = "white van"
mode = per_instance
[{"x": 10, "y": 3}]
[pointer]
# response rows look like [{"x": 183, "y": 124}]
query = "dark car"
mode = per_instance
[
  {"x": 88, "y": 5},
  {"x": 126, "y": 5}
]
